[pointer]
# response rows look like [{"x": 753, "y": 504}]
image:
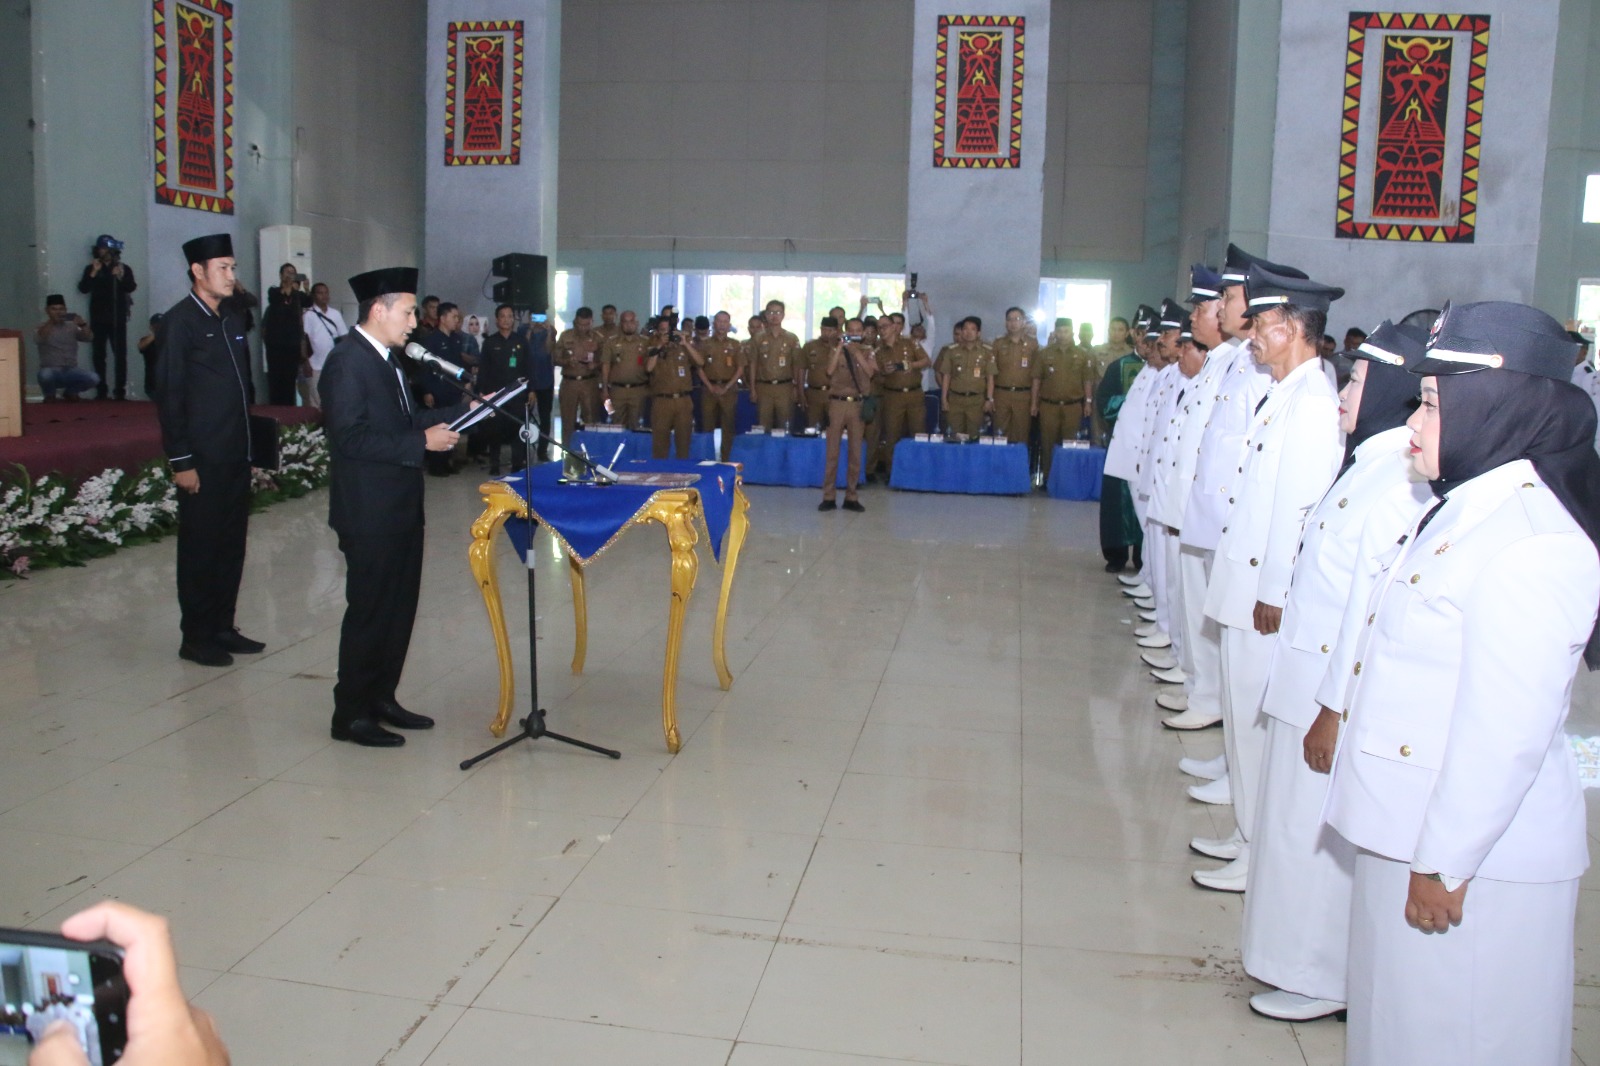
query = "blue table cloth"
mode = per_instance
[
  {"x": 636, "y": 446},
  {"x": 793, "y": 461},
  {"x": 979, "y": 469},
  {"x": 588, "y": 517},
  {"x": 1075, "y": 473}
]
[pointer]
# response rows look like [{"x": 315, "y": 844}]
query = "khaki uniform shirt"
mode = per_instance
[
  {"x": 893, "y": 359},
  {"x": 674, "y": 372},
  {"x": 723, "y": 359},
  {"x": 607, "y": 332},
  {"x": 1063, "y": 373},
  {"x": 773, "y": 358},
  {"x": 626, "y": 355},
  {"x": 814, "y": 360},
  {"x": 1014, "y": 362},
  {"x": 967, "y": 366},
  {"x": 852, "y": 377},
  {"x": 577, "y": 355}
]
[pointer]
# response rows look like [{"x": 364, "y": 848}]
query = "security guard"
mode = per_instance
[
  {"x": 813, "y": 372},
  {"x": 203, "y": 404},
  {"x": 773, "y": 377},
  {"x": 1063, "y": 378},
  {"x": 966, "y": 379},
  {"x": 1014, "y": 363},
  {"x": 622, "y": 369},
  {"x": 719, "y": 376},
  {"x": 902, "y": 411},
  {"x": 671, "y": 363},
  {"x": 577, "y": 353}
]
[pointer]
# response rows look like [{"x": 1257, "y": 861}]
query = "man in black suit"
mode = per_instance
[
  {"x": 377, "y": 437},
  {"x": 202, "y": 399}
]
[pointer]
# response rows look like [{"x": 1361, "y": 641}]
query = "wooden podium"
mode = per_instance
[{"x": 11, "y": 375}]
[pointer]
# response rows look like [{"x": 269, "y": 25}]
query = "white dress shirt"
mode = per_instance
[{"x": 322, "y": 329}]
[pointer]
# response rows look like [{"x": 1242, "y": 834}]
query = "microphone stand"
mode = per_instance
[{"x": 533, "y": 726}]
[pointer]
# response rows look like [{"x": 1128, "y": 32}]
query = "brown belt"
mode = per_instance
[
  {"x": 1014, "y": 388},
  {"x": 1064, "y": 403},
  {"x": 667, "y": 395}
]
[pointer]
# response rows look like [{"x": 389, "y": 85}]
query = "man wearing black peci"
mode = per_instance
[
  {"x": 202, "y": 400},
  {"x": 377, "y": 436}
]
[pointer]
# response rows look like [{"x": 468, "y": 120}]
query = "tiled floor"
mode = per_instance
[{"x": 934, "y": 820}]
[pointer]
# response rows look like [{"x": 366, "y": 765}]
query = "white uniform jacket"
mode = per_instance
[
  {"x": 1453, "y": 756},
  {"x": 1127, "y": 434},
  {"x": 1291, "y": 454},
  {"x": 1158, "y": 427},
  {"x": 1169, "y": 496},
  {"x": 1586, "y": 378},
  {"x": 1373, "y": 503},
  {"x": 1240, "y": 387}
]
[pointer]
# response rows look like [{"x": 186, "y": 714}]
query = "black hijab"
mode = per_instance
[
  {"x": 1390, "y": 392},
  {"x": 1493, "y": 417}
]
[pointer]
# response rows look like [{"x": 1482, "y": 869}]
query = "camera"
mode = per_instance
[
  {"x": 852, "y": 338},
  {"x": 676, "y": 337}
]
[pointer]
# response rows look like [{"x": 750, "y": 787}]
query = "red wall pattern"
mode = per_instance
[
  {"x": 483, "y": 69},
  {"x": 194, "y": 118},
  {"x": 988, "y": 115}
]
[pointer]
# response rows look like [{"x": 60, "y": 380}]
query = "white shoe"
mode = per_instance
[
  {"x": 1147, "y": 616},
  {"x": 1131, "y": 580},
  {"x": 1219, "y": 792},
  {"x": 1138, "y": 591},
  {"x": 1149, "y": 629},
  {"x": 1145, "y": 604},
  {"x": 1172, "y": 701},
  {"x": 1158, "y": 658},
  {"x": 1293, "y": 1007},
  {"x": 1204, "y": 769},
  {"x": 1230, "y": 878},
  {"x": 1155, "y": 640},
  {"x": 1190, "y": 720},
  {"x": 1224, "y": 848},
  {"x": 1170, "y": 675}
]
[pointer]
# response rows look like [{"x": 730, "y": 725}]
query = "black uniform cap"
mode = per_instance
[
  {"x": 1239, "y": 264},
  {"x": 376, "y": 283},
  {"x": 1265, "y": 289},
  {"x": 1393, "y": 345},
  {"x": 211, "y": 246},
  {"x": 1173, "y": 316},
  {"x": 1498, "y": 335},
  {"x": 1204, "y": 284}
]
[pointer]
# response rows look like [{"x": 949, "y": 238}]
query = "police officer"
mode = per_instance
[
  {"x": 671, "y": 363},
  {"x": 1063, "y": 378},
  {"x": 577, "y": 353},
  {"x": 719, "y": 379},
  {"x": 203, "y": 405},
  {"x": 774, "y": 380},
  {"x": 966, "y": 379},
  {"x": 1014, "y": 356},
  {"x": 623, "y": 376}
]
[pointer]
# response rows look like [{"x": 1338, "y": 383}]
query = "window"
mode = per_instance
[
  {"x": 1084, "y": 300},
  {"x": 566, "y": 296},
  {"x": 1591, "y": 199},
  {"x": 806, "y": 296},
  {"x": 1587, "y": 310}
]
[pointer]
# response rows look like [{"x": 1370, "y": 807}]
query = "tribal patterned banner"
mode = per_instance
[
  {"x": 483, "y": 95},
  {"x": 194, "y": 104},
  {"x": 1412, "y": 127},
  {"x": 980, "y": 123}
]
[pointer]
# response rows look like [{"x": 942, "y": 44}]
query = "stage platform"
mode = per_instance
[{"x": 78, "y": 440}]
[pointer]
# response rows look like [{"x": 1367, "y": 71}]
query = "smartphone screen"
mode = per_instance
[
  {"x": 44, "y": 977},
  {"x": 538, "y": 318}
]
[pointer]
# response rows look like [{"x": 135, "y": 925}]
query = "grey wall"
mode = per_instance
[
  {"x": 1569, "y": 249},
  {"x": 20, "y": 297},
  {"x": 1208, "y": 131}
]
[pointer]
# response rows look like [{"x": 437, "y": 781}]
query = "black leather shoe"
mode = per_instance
[
  {"x": 854, "y": 505},
  {"x": 397, "y": 716},
  {"x": 206, "y": 654},
  {"x": 827, "y": 505},
  {"x": 368, "y": 733},
  {"x": 236, "y": 642}
]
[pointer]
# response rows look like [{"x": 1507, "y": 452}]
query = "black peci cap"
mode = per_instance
[
  {"x": 1239, "y": 264},
  {"x": 211, "y": 246},
  {"x": 376, "y": 283},
  {"x": 1393, "y": 345},
  {"x": 1497, "y": 335},
  {"x": 1265, "y": 289}
]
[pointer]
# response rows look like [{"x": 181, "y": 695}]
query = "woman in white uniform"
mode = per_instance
[
  {"x": 1301, "y": 866},
  {"x": 1453, "y": 775}
]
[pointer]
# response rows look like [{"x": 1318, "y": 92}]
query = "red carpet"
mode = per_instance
[{"x": 78, "y": 440}]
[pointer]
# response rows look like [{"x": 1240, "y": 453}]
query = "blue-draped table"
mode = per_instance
[
  {"x": 793, "y": 461},
  {"x": 586, "y": 519},
  {"x": 1075, "y": 473},
  {"x": 979, "y": 469},
  {"x": 602, "y": 445}
]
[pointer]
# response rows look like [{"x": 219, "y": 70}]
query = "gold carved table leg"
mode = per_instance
[
  {"x": 580, "y": 615},
  {"x": 500, "y": 503},
  {"x": 676, "y": 511},
  {"x": 738, "y": 526}
]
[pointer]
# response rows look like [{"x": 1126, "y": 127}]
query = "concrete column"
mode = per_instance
[
  {"x": 972, "y": 234},
  {"x": 477, "y": 212}
]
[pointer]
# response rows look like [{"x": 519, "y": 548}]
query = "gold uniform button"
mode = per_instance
[
  {"x": 1345, "y": 715},
  {"x": 1415, "y": 578},
  {"x": 1371, "y": 618},
  {"x": 1358, "y": 668},
  {"x": 1258, "y": 447},
  {"x": 1344, "y": 501},
  {"x": 1405, "y": 751},
  {"x": 1322, "y": 525},
  {"x": 1527, "y": 484},
  {"x": 1254, "y": 563},
  {"x": 1324, "y": 649}
]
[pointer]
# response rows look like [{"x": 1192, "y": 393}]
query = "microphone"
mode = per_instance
[{"x": 422, "y": 355}]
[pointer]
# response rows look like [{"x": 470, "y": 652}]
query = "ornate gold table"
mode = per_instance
[{"x": 678, "y": 511}]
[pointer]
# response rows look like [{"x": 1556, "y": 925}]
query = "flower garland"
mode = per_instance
[{"x": 44, "y": 522}]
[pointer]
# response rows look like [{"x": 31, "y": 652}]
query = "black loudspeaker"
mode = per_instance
[{"x": 527, "y": 281}]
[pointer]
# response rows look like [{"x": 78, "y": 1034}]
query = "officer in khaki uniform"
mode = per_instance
[
  {"x": 671, "y": 365},
  {"x": 850, "y": 370},
  {"x": 723, "y": 362},
  {"x": 966, "y": 377},
  {"x": 608, "y": 326},
  {"x": 622, "y": 374},
  {"x": 1014, "y": 364},
  {"x": 773, "y": 355},
  {"x": 577, "y": 353},
  {"x": 901, "y": 412},
  {"x": 1063, "y": 380},
  {"x": 813, "y": 371}
]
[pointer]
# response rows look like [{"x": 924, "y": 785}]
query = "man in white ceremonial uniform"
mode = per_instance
[
  {"x": 1240, "y": 385},
  {"x": 1297, "y": 898},
  {"x": 1453, "y": 775},
  {"x": 1171, "y": 322},
  {"x": 1291, "y": 454},
  {"x": 1124, "y": 451}
]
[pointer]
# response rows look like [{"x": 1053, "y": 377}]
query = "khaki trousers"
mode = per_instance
[
  {"x": 900, "y": 415},
  {"x": 965, "y": 413},
  {"x": 627, "y": 405},
  {"x": 1057, "y": 422},
  {"x": 844, "y": 416},
  {"x": 671, "y": 418},
  {"x": 719, "y": 412},
  {"x": 816, "y": 407},
  {"x": 774, "y": 405},
  {"x": 1012, "y": 415},
  {"x": 579, "y": 396}
]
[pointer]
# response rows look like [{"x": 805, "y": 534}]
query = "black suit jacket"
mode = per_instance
[{"x": 376, "y": 445}]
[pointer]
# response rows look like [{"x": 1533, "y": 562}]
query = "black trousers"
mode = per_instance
[
  {"x": 108, "y": 332},
  {"x": 1120, "y": 531},
  {"x": 382, "y": 578},
  {"x": 212, "y": 526},
  {"x": 283, "y": 366}
]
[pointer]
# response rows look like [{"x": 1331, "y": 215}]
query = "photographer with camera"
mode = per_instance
[
  {"x": 110, "y": 285},
  {"x": 283, "y": 335},
  {"x": 850, "y": 370},
  {"x": 671, "y": 363}
]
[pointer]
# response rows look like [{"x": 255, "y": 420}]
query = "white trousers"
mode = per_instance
[
  {"x": 1158, "y": 575},
  {"x": 1495, "y": 990},
  {"x": 1246, "y": 657},
  {"x": 1297, "y": 899},
  {"x": 1202, "y": 638}
]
